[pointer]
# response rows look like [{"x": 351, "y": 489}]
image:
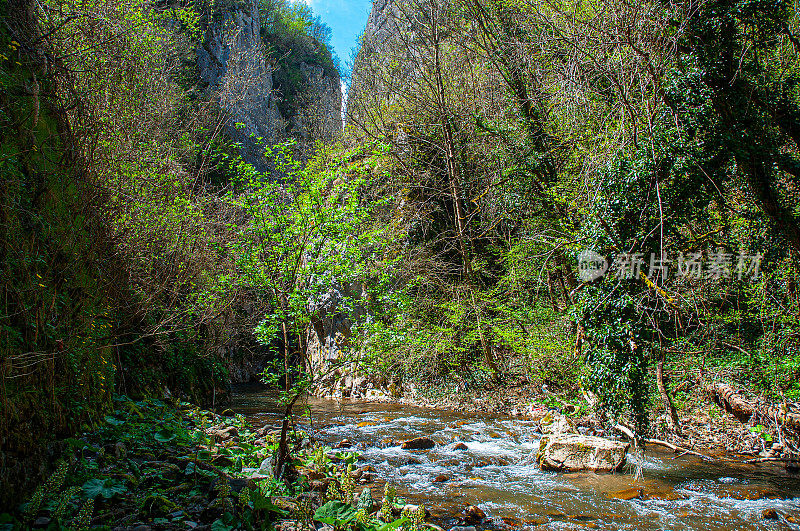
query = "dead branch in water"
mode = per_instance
[{"x": 680, "y": 450}]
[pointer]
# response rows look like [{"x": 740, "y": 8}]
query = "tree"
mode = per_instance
[{"x": 300, "y": 235}]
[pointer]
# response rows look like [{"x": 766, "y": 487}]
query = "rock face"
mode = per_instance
[
  {"x": 379, "y": 23},
  {"x": 335, "y": 312},
  {"x": 572, "y": 453},
  {"x": 321, "y": 114},
  {"x": 379, "y": 41},
  {"x": 232, "y": 64},
  {"x": 330, "y": 330}
]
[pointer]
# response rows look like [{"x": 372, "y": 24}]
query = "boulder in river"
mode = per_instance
[
  {"x": 572, "y": 453},
  {"x": 473, "y": 515},
  {"x": 419, "y": 443}
]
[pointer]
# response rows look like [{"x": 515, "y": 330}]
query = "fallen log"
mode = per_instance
[
  {"x": 725, "y": 397},
  {"x": 728, "y": 399},
  {"x": 678, "y": 449}
]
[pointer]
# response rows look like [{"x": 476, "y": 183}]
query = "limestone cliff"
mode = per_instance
[
  {"x": 378, "y": 35},
  {"x": 236, "y": 67},
  {"x": 272, "y": 89}
]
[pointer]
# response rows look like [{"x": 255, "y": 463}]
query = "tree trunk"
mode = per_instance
[
  {"x": 725, "y": 397},
  {"x": 449, "y": 147},
  {"x": 728, "y": 399},
  {"x": 283, "y": 445},
  {"x": 673, "y": 422},
  {"x": 761, "y": 180}
]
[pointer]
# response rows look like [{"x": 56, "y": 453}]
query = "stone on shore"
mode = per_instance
[{"x": 573, "y": 453}]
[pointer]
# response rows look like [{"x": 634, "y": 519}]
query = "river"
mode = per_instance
[{"x": 498, "y": 474}]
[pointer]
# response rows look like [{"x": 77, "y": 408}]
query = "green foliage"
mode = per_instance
[
  {"x": 344, "y": 514},
  {"x": 106, "y": 488},
  {"x": 335, "y": 513},
  {"x": 302, "y": 235},
  {"x": 122, "y": 464},
  {"x": 761, "y": 431}
]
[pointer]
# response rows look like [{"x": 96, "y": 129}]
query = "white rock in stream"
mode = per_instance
[{"x": 571, "y": 453}]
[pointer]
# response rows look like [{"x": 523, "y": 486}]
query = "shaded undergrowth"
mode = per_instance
[{"x": 162, "y": 465}]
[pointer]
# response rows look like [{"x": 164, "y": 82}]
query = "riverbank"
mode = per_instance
[
  {"x": 160, "y": 465},
  {"x": 152, "y": 465},
  {"x": 704, "y": 426}
]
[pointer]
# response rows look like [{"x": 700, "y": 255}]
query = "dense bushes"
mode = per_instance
[
  {"x": 632, "y": 132},
  {"x": 106, "y": 246},
  {"x": 121, "y": 210}
]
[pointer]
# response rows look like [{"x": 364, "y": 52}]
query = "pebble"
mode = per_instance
[{"x": 769, "y": 514}]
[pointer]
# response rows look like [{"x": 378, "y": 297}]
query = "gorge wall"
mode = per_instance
[
  {"x": 237, "y": 66},
  {"x": 272, "y": 89}
]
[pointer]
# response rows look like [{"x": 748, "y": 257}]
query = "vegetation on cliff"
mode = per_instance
[{"x": 117, "y": 234}]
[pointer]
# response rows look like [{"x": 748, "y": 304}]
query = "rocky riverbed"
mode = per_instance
[{"x": 488, "y": 461}]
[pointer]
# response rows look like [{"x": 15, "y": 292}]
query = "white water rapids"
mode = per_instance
[{"x": 498, "y": 473}]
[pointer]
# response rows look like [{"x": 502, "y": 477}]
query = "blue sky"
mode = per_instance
[{"x": 346, "y": 19}]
